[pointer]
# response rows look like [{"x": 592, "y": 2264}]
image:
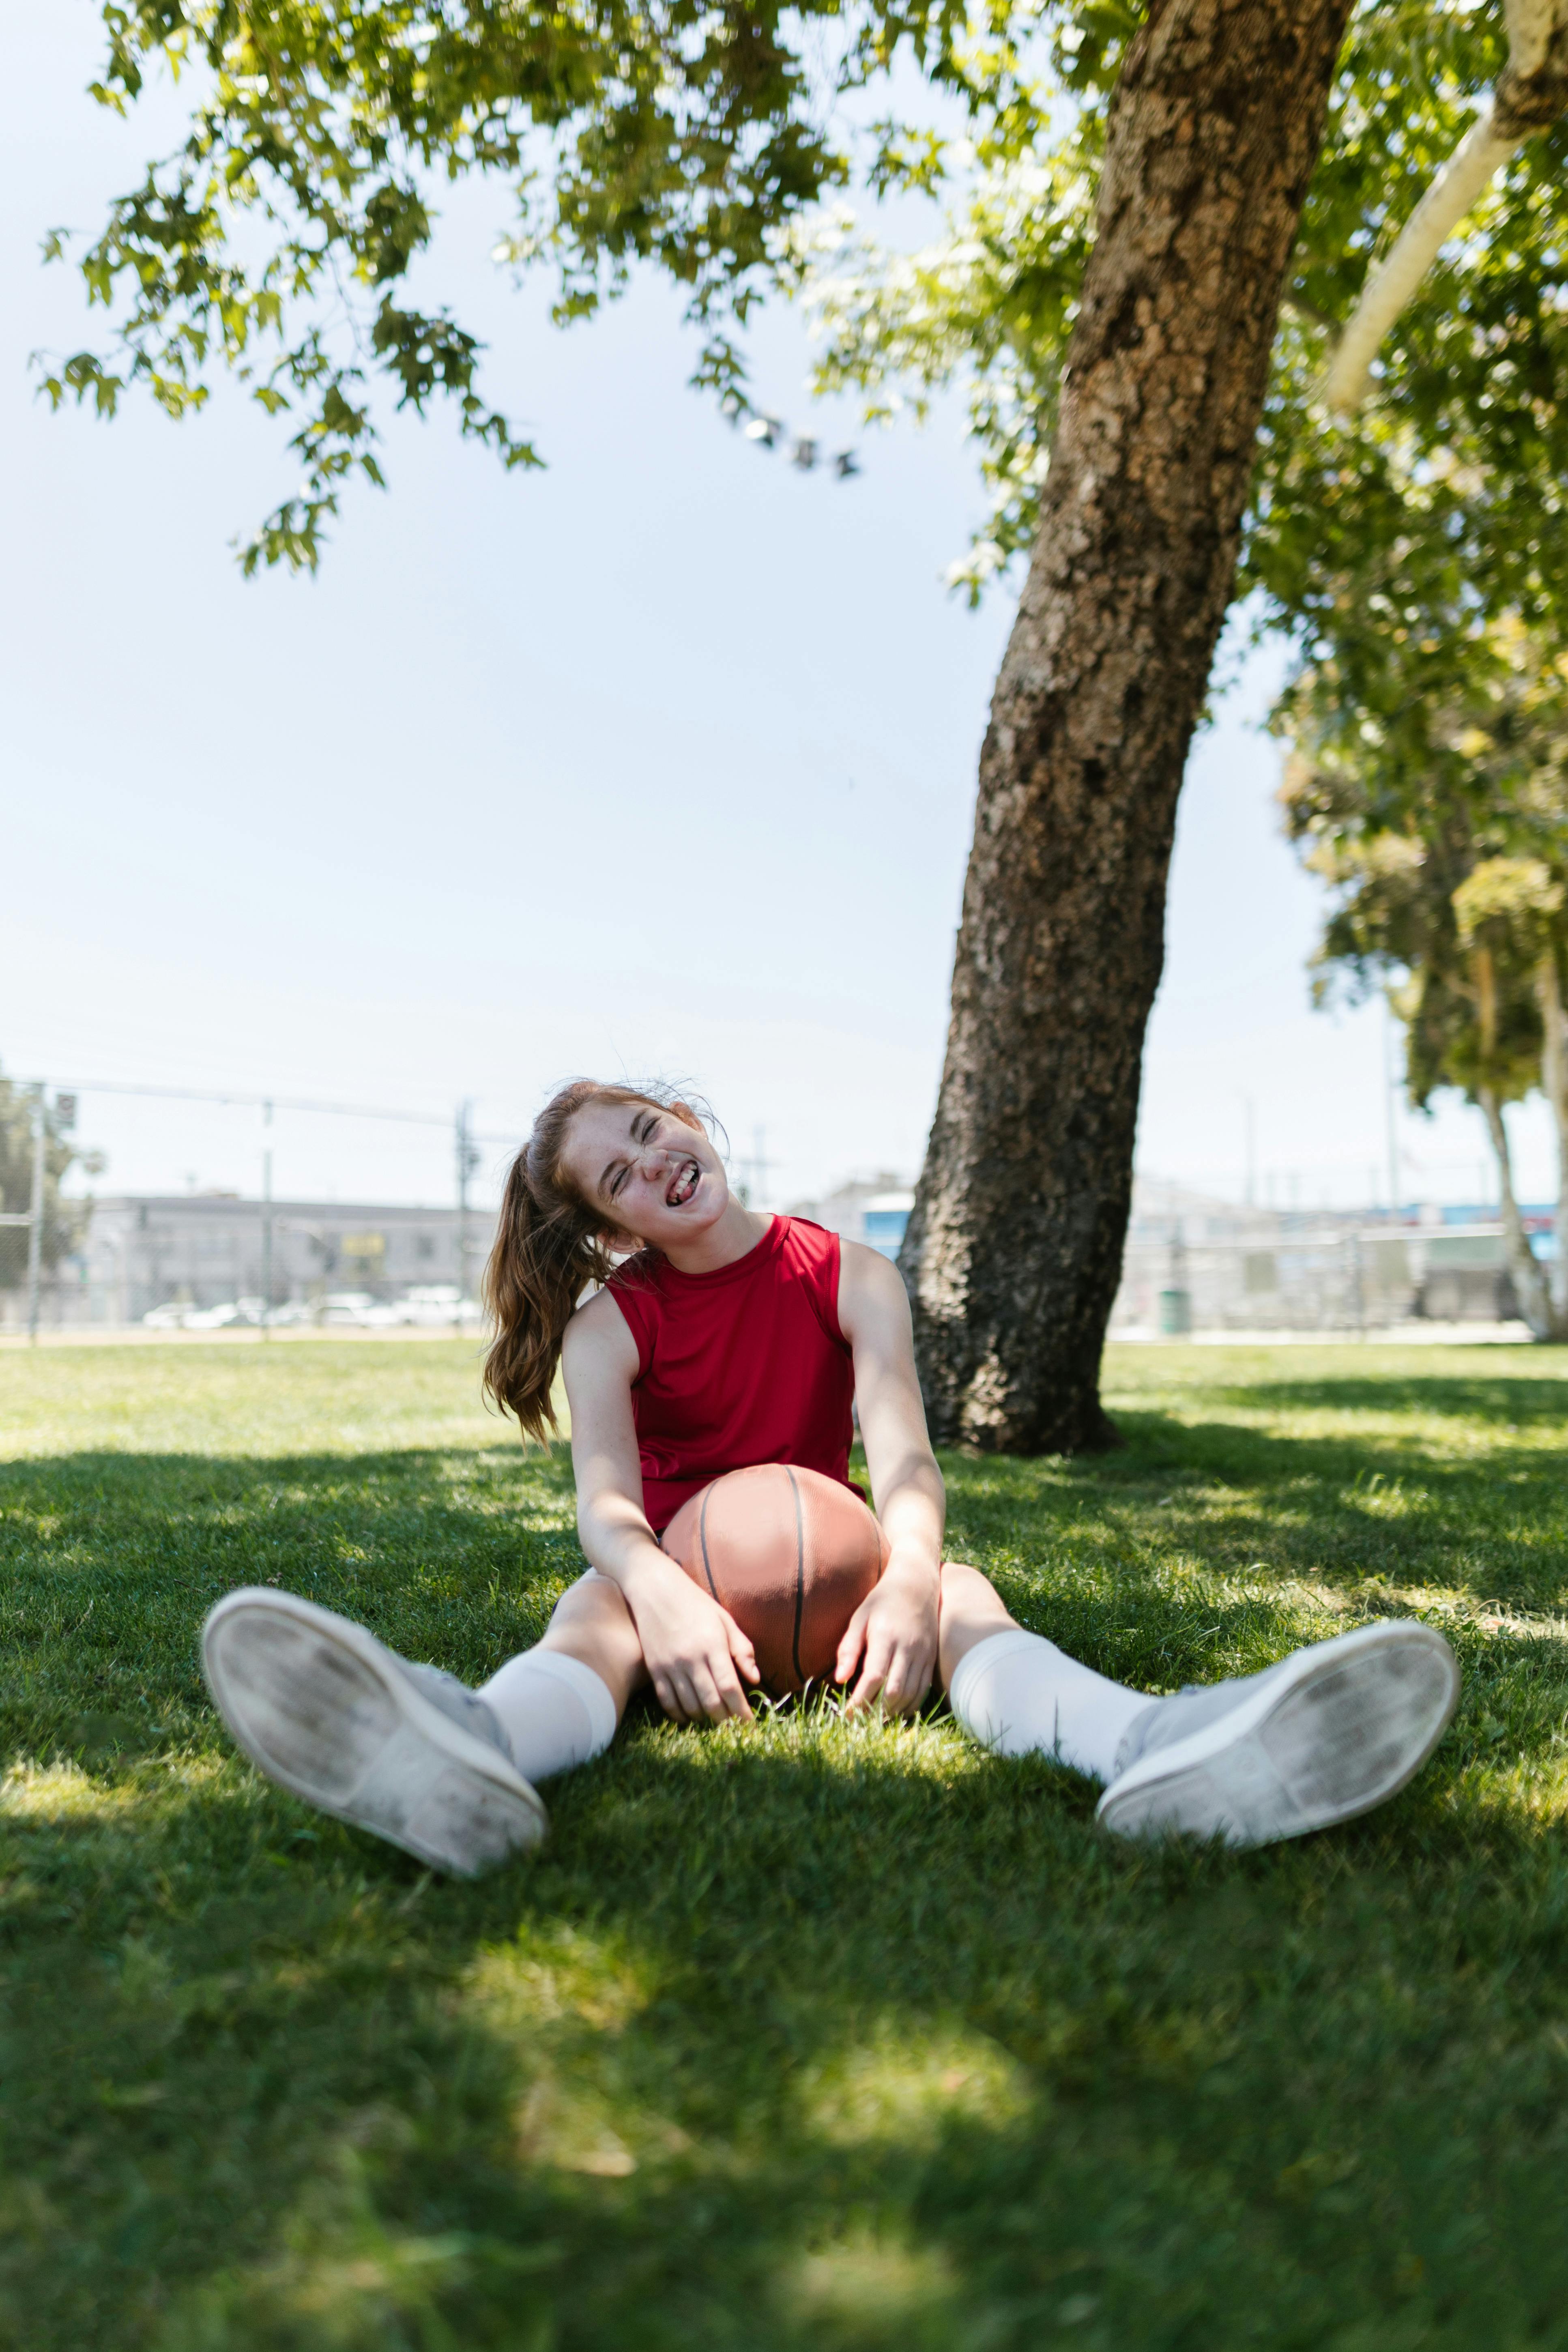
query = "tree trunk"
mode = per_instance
[
  {"x": 1529, "y": 1282},
  {"x": 1014, "y": 1250}
]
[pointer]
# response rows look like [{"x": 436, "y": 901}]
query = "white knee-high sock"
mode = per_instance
[
  {"x": 554, "y": 1710},
  {"x": 1019, "y": 1693}
]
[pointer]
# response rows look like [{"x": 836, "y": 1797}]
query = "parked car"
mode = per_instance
[
  {"x": 345, "y": 1307},
  {"x": 233, "y": 1312},
  {"x": 173, "y": 1315},
  {"x": 437, "y": 1305},
  {"x": 180, "y": 1315}
]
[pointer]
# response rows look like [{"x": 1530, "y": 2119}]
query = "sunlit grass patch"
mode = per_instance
[
  {"x": 60, "y": 1791},
  {"x": 905, "y": 2080},
  {"x": 873, "y": 2288},
  {"x": 554, "y": 1972}
]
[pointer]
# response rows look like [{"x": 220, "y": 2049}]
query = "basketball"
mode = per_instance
[{"x": 790, "y": 1554}]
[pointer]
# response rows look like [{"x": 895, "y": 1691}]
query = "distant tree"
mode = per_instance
[
  {"x": 1444, "y": 834},
  {"x": 65, "y": 1221}
]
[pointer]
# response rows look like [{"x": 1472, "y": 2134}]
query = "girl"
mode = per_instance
[{"x": 729, "y": 1339}]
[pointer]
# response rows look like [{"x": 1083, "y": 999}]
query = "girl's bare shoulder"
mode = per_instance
[
  {"x": 869, "y": 1280},
  {"x": 598, "y": 1334}
]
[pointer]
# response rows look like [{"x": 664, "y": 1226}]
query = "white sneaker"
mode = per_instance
[
  {"x": 407, "y": 1751},
  {"x": 1327, "y": 1734}
]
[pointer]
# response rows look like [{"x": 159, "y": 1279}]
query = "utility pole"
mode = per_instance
[
  {"x": 35, "y": 1220},
  {"x": 468, "y": 1160},
  {"x": 1249, "y": 1111},
  {"x": 267, "y": 1222},
  {"x": 760, "y": 1167}
]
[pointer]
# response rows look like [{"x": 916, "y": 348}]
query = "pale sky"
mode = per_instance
[{"x": 661, "y": 760}]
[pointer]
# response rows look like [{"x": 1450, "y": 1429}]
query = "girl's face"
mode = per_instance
[{"x": 653, "y": 1171}]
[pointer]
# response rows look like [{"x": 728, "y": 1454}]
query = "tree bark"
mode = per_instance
[
  {"x": 1524, "y": 1268},
  {"x": 1014, "y": 1249}
]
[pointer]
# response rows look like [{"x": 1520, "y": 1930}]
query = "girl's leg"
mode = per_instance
[
  {"x": 1327, "y": 1733},
  {"x": 1018, "y": 1692},
  {"x": 592, "y": 1621},
  {"x": 406, "y": 1749},
  {"x": 972, "y": 1610},
  {"x": 559, "y": 1702}
]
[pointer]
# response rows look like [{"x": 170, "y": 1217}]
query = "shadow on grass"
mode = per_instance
[
  {"x": 1507, "y": 1398},
  {"x": 815, "y": 2034},
  {"x": 112, "y": 1559},
  {"x": 1405, "y": 1505}
]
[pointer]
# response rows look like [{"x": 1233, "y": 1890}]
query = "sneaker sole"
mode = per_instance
[
  {"x": 315, "y": 1702},
  {"x": 1343, "y": 1730}
]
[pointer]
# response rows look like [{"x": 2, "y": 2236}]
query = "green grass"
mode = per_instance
[{"x": 806, "y": 2035}]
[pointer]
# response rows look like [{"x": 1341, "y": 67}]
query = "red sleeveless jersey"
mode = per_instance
[{"x": 743, "y": 1365}]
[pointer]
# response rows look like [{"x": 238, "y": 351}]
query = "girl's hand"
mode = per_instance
[
  {"x": 892, "y": 1638},
  {"x": 694, "y": 1651}
]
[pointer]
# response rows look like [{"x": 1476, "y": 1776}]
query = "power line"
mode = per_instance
[{"x": 269, "y": 1103}]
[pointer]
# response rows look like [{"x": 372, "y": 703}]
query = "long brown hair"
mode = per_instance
[{"x": 550, "y": 1244}]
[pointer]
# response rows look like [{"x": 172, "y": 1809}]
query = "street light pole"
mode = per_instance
[
  {"x": 266, "y": 1223},
  {"x": 1249, "y": 1114},
  {"x": 467, "y": 1159},
  {"x": 35, "y": 1220}
]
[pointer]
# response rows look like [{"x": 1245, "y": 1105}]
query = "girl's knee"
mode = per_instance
[
  {"x": 972, "y": 1610},
  {"x": 591, "y": 1622},
  {"x": 593, "y": 1599},
  {"x": 965, "y": 1586}
]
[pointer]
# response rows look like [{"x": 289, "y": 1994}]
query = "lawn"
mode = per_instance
[{"x": 803, "y": 2035}]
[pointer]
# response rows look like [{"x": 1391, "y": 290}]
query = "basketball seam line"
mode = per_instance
[
  {"x": 702, "y": 1542},
  {"x": 799, "y": 1572}
]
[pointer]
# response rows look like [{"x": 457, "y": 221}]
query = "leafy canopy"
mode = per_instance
[
  {"x": 1445, "y": 498},
  {"x": 276, "y": 240},
  {"x": 1416, "y": 555}
]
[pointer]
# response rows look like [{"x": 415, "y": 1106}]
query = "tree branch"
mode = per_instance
[{"x": 1529, "y": 96}]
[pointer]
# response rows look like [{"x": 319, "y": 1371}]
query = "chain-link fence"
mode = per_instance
[
  {"x": 14, "y": 1233},
  {"x": 171, "y": 1263},
  {"x": 211, "y": 1212},
  {"x": 176, "y": 1262},
  {"x": 1337, "y": 1278}
]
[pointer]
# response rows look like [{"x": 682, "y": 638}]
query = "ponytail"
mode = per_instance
[{"x": 550, "y": 1247}]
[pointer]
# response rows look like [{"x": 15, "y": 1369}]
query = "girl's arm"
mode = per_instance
[
  {"x": 892, "y": 1635},
  {"x": 691, "y": 1647}
]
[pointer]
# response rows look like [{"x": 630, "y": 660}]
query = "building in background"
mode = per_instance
[
  {"x": 201, "y": 1250},
  {"x": 873, "y": 1209}
]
